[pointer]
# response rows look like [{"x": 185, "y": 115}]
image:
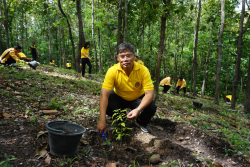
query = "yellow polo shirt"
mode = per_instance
[
  {"x": 229, "y": 97},
  {"x": 165, "y": 81},
  {"x": 10, "y": 52},
  {"x": 86, "y": 51},
  {"x": 128, "y": 87},
  {"x": 140, "y": 62},
  {"x": 22, "y": 54},
  {"x": 52, "y": 63},
  {"x": 182, "y": 83},
  {"x": 68, "y": 64}
]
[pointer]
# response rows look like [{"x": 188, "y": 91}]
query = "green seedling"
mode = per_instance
[
  {"x": 27, "y": 111},
  {"x": 120, "y": 116},
  {"x": 33, "y": 120},
  {"x": 5, "y": 163}
]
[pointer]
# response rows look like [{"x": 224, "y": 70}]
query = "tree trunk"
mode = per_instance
[
  {"x": 70, "y": 33},
  {"x": 207, "y": 61},
  {"x": 161, "y": 48},
  {"x": 247, "y": 94},
  {"x": 100, "y": 53},
  {"x": 60, "y": 49},
  {"x": 163, "y": 59},
  {"x": 226, "y": 78},
  {"x": 6, "y": 24},
  {"x": 1, "y": 15},
  {"x": 237, "y": 66},
  {"x": 126, "y": 21},
  {"x": 182, "y": 46},
  {"x": 217, "y": 82},
  {"x": 50, "y": 48},
  {"x": 195, "y": 48},
  {"x": 81, "y": 35},
  {"x": 93, "y": 37},
  {"x": 63, "y": 50},
  {"x": 119, "y": 33},
  {"x": 22, "y": 28},
  {"x": 176, "y": 51}
]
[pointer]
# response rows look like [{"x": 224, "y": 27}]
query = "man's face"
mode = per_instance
[
  {"x": 33, "y": 43},
  {"x": 181, "y": 79},
  {"x": 126, "y": 58},
  {"x": 17, "y": 50}
]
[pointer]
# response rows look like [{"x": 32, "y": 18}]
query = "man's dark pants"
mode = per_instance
[
  {"x": 166, "y": 88},
  {"x": 178, "y": 88},
  {"x": 116, "y": 102},
  {"x": 34, "y": 56},
  {"x": 10, "y": 60},
  {"x": 84, "y": 62}
]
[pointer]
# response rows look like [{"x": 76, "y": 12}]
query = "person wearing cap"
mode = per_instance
[
  {"x": 33, "y": 50},
  {"x": 181, "y": 84},
  {"x": 138, "y": 61},
  {"x": 11, "y": 56},
  {"x": 133, "y": 88},
  {"x": 165, "y": 83},
  {"x": 68, "y": 65},
  {"x": 85, "y": 59}
]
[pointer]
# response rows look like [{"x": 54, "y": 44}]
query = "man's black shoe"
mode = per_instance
[{"x": 145, "y": 128}]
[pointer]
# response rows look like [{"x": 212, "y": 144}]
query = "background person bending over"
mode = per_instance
[
  {"x": 11, "y": 56},
  {"x": 34, "y": 50},
  {"x": 68, "y": 65},
  {"x": 133, "y": 88},
  {"x": 138, "y": 61},
  {"x": 166, "y": 83},
  {"x": 85, "y": 59},
  {"x": 181, "y": 84}
]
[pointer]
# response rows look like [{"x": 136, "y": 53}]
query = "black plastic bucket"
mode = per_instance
[
  {"x": 197, "y": 104},
  {"x": 64, "y": 137}
]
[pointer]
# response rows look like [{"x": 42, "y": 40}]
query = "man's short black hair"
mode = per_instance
[
  {"x": 137, "y": 57},
  {"x": 17, "y": 47},
  {"x": 181, "y": 78},
  {"x": 171, "y": 76},
  {"x": 86, "y": 44},
  {"x": 124, "y": 46},
  {"x": 51, "y": 60}
]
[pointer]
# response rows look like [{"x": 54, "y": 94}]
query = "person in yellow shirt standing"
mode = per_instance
[
  {"x": 68, "y": 65},
  {"x": 11, "y": 56},
  {"x": 133, "y": 88},
  {"x": 138, "y": 61},
  {"x": 181, "y": 84},
  {"x": 85, "y": 59},
  {"x": 166, "y": 83}
]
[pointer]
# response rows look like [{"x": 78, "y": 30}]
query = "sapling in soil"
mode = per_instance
[{"x": 119, "y": 118}]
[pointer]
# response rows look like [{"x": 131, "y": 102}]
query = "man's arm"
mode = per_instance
[
  {"x": 37, "y": 51},
  {"x": 103, "y": 107},
  {"x": 146, "y": 100}
]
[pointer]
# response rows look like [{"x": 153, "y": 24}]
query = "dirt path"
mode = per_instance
[{"x": 24, "y": 136}]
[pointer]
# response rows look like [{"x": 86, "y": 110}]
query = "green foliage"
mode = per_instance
[
  {"x": 56, "y": 105},
  {"x": 119, "y": 117},
  {"x": 5, "y": 163}
]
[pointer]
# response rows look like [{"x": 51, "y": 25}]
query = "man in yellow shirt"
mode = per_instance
[
  {"x": 11, "y": 56},
  {"x": 133, "y": 88},
  {"x": 68, "y": 65},
  {"x": 138, "y": 61},
  {"x": 181, "y": 84},
  {"x": 165, "y": 83},
  {"x": 85, "y": 59}
]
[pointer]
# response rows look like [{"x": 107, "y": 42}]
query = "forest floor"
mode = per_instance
[{"x": 181, "y": 136}]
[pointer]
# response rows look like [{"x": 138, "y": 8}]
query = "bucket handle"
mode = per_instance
[{"x": 60, "y": 131}]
